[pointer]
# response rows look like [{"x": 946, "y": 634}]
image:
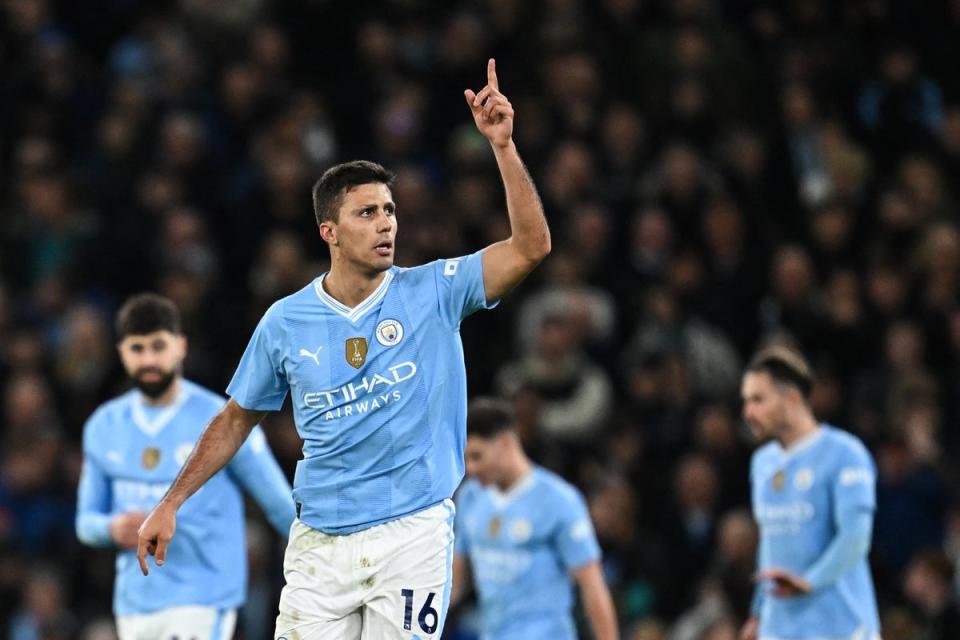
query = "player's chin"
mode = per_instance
[{"x": 382, "y": 262}]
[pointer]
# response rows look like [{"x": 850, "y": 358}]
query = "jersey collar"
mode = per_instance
[
  {"x": 156, "y": 425},
  {"x": 361, "y": 309},
  {"x": 502, "y": 498},
  {"x": 803, "y": 444}
]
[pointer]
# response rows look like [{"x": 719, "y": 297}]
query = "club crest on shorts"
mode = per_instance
[
  {"x": 779, "y": 479},
  {"x": 356, "y": 352},
  {"x": 494, "y": 528},
  {"x": 150, "y": 458},
  {"x": 389, "y": 332}
]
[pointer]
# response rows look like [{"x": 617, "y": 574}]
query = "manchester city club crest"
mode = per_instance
[
  {"x": 494, "y": 528},
  {"x": 356, "y": 352},
  {"x": 150, "y": 458},
  {"x": 779, "y": 479},
  {"x": 389, "y": 332}
]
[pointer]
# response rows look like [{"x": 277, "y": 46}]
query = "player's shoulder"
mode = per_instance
[
  {"x": 305, "y": 299},
  {"x": 202, "y": 395},
  {"x": 420, "y": 275},
  {"x": 448, "y": 267},
  {"x": 845, "y": 443},
  {"x": 764, "y": 453},
  {"x": 552, "y": 485},
  {"x": 108, "y": 414},
  {"x": 470, "y": 490}
]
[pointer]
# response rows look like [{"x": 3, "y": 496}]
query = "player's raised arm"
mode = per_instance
[
  {"x": 220, "y": 441},
  {"x": 508, "y": 262}
]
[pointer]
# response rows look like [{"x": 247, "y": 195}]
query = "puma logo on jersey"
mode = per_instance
[{"x": 313, "y": 355}]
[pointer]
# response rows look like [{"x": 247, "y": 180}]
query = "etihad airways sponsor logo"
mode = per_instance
[{"x": 360, "y": 396}]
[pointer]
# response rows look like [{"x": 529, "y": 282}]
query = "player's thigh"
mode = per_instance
[
  {"x": 321, "y": 597},
  {"x": 305, "y": 627},
  {"x": 179, "y": 623},
  {"x": 413, "y": 593}
]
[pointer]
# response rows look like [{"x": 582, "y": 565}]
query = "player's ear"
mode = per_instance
[
  {"x": 328, "y": 231},
  {"x": 182, "y": 344}
]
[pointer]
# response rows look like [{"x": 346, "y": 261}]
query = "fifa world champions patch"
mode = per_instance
[{"x": 355, "y": 351}]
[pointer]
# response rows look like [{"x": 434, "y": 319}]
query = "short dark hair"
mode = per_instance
[
  {"x": 785, "y": 366},
  {"x": 489, "y": 417},
  {"x": 145, "y": 313},
  {"x": 337, "y": 180}
]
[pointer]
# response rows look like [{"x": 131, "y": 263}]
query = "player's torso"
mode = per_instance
[
  {"x": 512, "y": 542},
  {"x": 793, "y": 503},
  {"x": 379, "y": 400},
  {"x": 351, "y": 372},
  {"x": 143, "y": 450},
  {"x": 524, "y": 590}
]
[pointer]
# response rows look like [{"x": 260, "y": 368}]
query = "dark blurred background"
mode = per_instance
[{"x": 717, "y": 174}]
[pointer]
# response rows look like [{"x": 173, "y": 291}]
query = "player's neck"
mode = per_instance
[
  {"x": 350, "y": 287},
  {"x": 164, "y": 399},
  {"x": 517, "y": 474},
  {"x": 798, "y": 432}
]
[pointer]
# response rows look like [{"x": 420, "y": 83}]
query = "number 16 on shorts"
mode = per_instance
[{"x": 427, "y": 619}]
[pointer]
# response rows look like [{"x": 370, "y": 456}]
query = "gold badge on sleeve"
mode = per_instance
[
  {"x": 356, "y": 352},
  {"x": 150, "y": 458}
]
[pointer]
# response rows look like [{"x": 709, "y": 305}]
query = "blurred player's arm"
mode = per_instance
[
  {"x": 217, "y": 445},
  {"x": 508, "y": 262},
  {"x": 752, "y": 625},
  {"x": 95, "y": 525},
  {"x": 597, "y": 601},
  {"x": 460, "y": 588},
  {"x": 255, "y": 468},
  {"x": 93, "y": 506}
]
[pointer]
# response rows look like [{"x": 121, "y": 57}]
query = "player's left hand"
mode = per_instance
[
  {"x": 785, "y": 584},
  {"x": 491, "y": 110}
]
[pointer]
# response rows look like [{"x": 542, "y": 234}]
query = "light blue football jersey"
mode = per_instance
[
  {"x": 132, "y": 453},
  {"x": 801, "y": 498},
  {"x": 522, "y": 546},
  {"x": 379, "y": 391}
]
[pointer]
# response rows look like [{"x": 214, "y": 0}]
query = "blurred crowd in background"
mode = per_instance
[{"x": 717, "y": 175}]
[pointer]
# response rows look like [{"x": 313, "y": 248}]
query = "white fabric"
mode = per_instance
[
  {"x": 182, "y": 623},
  {"x": 351, "y": 587}
]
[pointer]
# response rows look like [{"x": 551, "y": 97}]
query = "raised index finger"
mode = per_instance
[{"x": 492, "y": 74}]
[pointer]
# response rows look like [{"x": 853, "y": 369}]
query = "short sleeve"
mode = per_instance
[
  {"x": 854, "y": 487},
  {"x": 460, "y": 287},
  {"x": 259, "y": 382},
  {"x": 575, "y": 538}
]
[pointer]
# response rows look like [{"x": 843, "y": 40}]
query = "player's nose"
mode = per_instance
[{"x": 384, "y": 222}]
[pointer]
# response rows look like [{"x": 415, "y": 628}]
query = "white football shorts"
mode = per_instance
[
  {"x": 179, "y": 623},
  {"x": 390, "y": 581}
]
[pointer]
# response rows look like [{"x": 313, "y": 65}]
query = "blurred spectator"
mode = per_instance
[
  {"x": 44, "y": 614},
  {"x": 927, "y": 585},
  {"x": 575, "y": 393}
]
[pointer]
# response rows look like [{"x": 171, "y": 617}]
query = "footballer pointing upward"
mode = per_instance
[{"x": 371, "y": 356}]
